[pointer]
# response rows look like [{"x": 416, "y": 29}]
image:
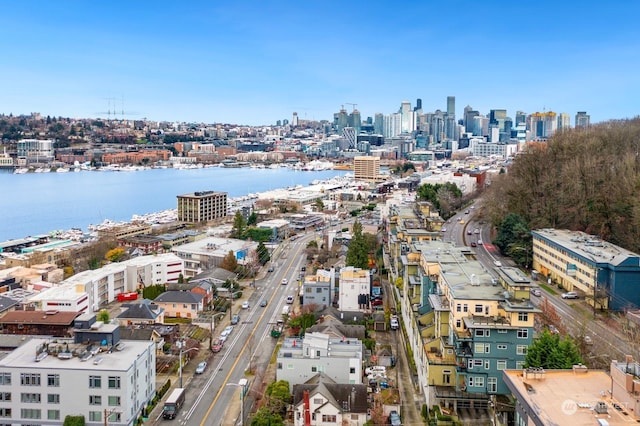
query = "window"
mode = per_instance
[
  {"x": 479, "y": 382},
  {"x": 446, "y": 377},
  {"x": 523, "y": 333},
  {"x": 328, "y": 418},
  {"x": 95, "y": 400},
  {"x": 114, "y": 417},
  {"x": 308, "y": 290},
  {"x": 465, "y": 308},
  {"x": 5, "y": 378},
  {"x": 502, "y": 330},
  {"x": 30, "y": 398},
  {"x": 114, "y": 401},
  {"x": 317, "y": 353},
  {"x": 314, "y": 368},
  {"x": 5, "y": 396},
  {"x": 523, "y": 316},
  {"x": 478, "y": 309},
  {"x": 30, "y": 413},
  {"x": 279, "y": 366},
  {"x": 519, "y": 365},
  {"x": 95, "y": 382},
  {"x": 95, "y": 416},
  {"x": 5, "y": 412},
  {"x": 53, "y": 380},
  {"x": 477, "y": 362},
  {"x": 521, "y": 349},
  {"x": 502, "y": 364},
  {"x": 114, "y": 382},
  {"x": 492, "y": 384},
  {"x": 53, "y": 414},
  {"x": 482, "y": 348},
  {"x": 481, "y": 332},
  {"x": 458, "y": 323},
  {"x": 30, "y": 379},
  {"x": 318, "y": 401},
  {"x": 487, "y": 364},
  {"x": 352, "y": 370},
  {"x": 458, "y": 307},
  {"x": 502, "y": 347},
  {"x": 53, "y": 398}
]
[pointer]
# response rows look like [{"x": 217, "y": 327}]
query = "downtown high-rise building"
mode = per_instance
[
  {"x": 378, "y": 123},
  {"x": 521, "y": 118},
  {"x": 543, "y": 124},
  {"x": 294, "y": 119},
  {"x": 451, "y": 106},
  {"x": 408, "y": 117},
  {"x": 582, "y": 120},
  {"x": 355, "y": 120},
  {"x": 467, "y": 119},
  {"x": 564, "y": 121}
]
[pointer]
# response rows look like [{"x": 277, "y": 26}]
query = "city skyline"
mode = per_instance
[{"x": 255, "y": 64}]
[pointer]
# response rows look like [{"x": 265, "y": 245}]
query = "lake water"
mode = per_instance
[{"x": 37, "y": 203}]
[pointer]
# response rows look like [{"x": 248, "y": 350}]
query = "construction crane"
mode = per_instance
[{"x": 352, "y": 105}]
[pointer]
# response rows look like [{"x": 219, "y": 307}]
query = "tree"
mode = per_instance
[
  {"x": 278, "y": 396},
  {"x": 103, "y": 316},
  {"x": 358, "y": 252},
  {"x": 514, "y": 239},
  {"x": 115, "y": 255},
  {"x": 239, "y": 225},
  {"x": 318, "y": 205},
  {"x": 229, "y": 262},
  {"x": 253, "y": 219},
  {"x": 74, "y": 421},
  {"x": 549, "y": 351},
  {"x": 258, "y": 234},
  {"x": 265, "y": 417},
  {"x": 263, "y": 253}
]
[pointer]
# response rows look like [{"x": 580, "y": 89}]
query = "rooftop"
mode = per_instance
[
  {"x": 588, "y": 246},
  {"x": 562, "y": 397}
]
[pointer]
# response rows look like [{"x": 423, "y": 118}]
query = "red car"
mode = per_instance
[
  {"x": 376, "y": 302},
  {"x": 217, "y": 345}
]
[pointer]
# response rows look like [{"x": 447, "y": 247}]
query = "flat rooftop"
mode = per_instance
[
  {"x": 565, "y": 397},
  {"x": 587, "y": 246},
  {"x": 24, "y": 357}
]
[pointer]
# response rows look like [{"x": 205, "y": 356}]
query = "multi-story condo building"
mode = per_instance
[
  {"x": 602, "y": 271},
  {"x": 43, "y": 381},
  {"x": 317, "y": 289},
  {"x": 35, "y": 150},
  {"x": 209, "y": 252},
  {"x": 366, "y": 168},
  {"x": 542, "y": 124},
  {"x": 202, "y": 206},
  {"x": 582, "y": 119},
  {"x": 338, "y": 358},
  {"x": 354, "y": 289}
]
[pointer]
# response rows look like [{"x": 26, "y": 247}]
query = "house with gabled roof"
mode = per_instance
[
  {"x": 180, "y": 304},
  {"x": 143, "y": 312},
  {"x": 322, "y": 401}
]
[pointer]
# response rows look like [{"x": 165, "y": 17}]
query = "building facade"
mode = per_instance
[
  {"x": 354, "y": 289},
  {"x": 40, "y": 385},
  {"x": 202, "y": 206},
  {"x": 366, "y": 168}
]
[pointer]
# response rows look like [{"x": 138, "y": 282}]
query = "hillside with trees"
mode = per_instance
[{"x": 584, "y": 180}]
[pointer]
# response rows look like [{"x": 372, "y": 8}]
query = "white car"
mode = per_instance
[
  {"x": 497, "y": 263},
  {"x": 245, "y": 304},
  {"x": 375, "y": 369},
  {"x": 284, "y": 281},
  {"x": 227, "y": 331},
  {"x": 289, "y": 300},
  {"x": 201, "y": 367}
]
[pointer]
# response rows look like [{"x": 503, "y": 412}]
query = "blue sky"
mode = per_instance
[{"x": 254, "y": 62}]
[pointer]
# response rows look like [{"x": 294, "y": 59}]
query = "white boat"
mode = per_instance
[
  {"x": 62, "y": 170},
  {"x": 20, "y": 171}
]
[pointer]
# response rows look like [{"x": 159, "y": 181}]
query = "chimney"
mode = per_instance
[{"x": 307, "y": 408}]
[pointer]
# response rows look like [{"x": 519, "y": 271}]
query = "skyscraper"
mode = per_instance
[
  {"x": 451, "y": 106},
  {"x": 564, "y": 121},
  {"x": 543, "y": 124},
  {"x": 294, "y": 119},
  {"x": 355, "y": 120},
  {"x": 521, "y": 118},
  {"x": 467, "y": 119},
  {"x": 408, "y": 117},
  {"x": 378, "y": 123},
  {"x": 582, "y": 120},
  {"x": 418, "y": 105},
  {"x": 497, "y": 117}
]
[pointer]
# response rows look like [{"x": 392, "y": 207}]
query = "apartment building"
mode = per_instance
[
  {"x": 202, "y": 206},
  {"x": 366, "y": 168},
  {"x": 317, "y": 289},
  {"x": 605, "y": 274},
  {"x": 354, "y": 289},
  {"x": 338, "y": 358},
  {"x": 207, "y": 253},
  {"x": 42, "y": 382}
]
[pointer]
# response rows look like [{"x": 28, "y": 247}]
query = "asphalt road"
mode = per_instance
[{"x": 210, "y": 394}]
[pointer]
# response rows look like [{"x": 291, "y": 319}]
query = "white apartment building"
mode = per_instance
[
  {"x": 35, "y": 150},
  {"x": 91, "y": 290},
  {"x": 44, "y": 389},
  {"x": 354, "y": 284}
]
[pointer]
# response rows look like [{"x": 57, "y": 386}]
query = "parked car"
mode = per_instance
[
  {"x": 570, "y": 295},
  {"x": 394, "y": 418},
  {"x": 553, "y": 329},
  {"x": 304, "y": 268},
  {"x": 588, "y": 340},
  {"x": 217, "y": 345},
  {"x": 235, "y": 319},
  {"x": 263, "y": 303},
  {"x": 466, "y": 212},
  {"x": 536, "y": 292},
  {"x": 227, "y": 331},
  {"x": 271, "y": 269},
  {"x": 394, "y": 323},
  {"x": 443, "y": 230},
  {"x": 289, "y": 300},
  {"x": 375, "y": 369},
  {"x": 245, "y": 304},
  {"x": 377, "y": 302},
  {"x": 201, "y": 367},
  {"x": 284, "y": 281},
  {"x": 497, "y": 263}
]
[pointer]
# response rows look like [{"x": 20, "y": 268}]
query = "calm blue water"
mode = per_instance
[{"x": 37, "y": 203}]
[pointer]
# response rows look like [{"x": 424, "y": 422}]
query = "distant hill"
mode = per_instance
[{"x": 587, "y": 180}]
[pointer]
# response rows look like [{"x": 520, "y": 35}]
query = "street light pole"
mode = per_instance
[{"x": 181, "y": 345}]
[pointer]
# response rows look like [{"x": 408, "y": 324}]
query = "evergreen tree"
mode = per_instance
[
  {"x": 263, "y": 253},
  {"x": 358, "y": 252},
  {"x": 551, "y": 352},
  {"x": 239, "y": 226}
]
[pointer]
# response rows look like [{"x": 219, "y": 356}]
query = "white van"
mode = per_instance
[{"x": 285, "y": 310}]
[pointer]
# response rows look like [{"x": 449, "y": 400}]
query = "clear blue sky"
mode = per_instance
[{"x": 254, "y": 62}]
